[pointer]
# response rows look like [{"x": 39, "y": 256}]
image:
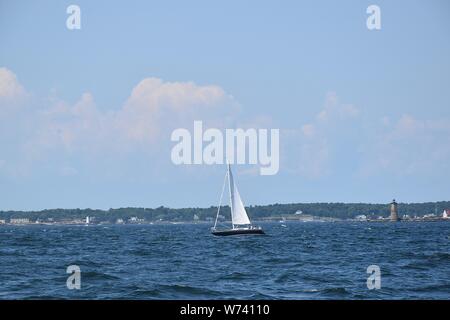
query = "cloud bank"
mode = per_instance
[
  {"x": 53, "y": 136},
  {"x": 345, "y": 138},
  {"x": 142, "y": 124}
]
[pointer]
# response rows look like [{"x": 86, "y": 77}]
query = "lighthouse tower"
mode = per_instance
[{"x": 394, "y": 212}]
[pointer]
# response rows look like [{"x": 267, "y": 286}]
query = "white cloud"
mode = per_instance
[
  {"x": 67, "y": 127},
  {"x": 334, "y": 110},
  {"x": 403, "y": 146},
  {"x": 409, "y": 146},
  {"x": 12, "y": 95},
  {"x": 155, "y": 105},
  {"x": 153, "y": 93},
  {"x": 143, "y": 124},
  {"x": 66, "y": 133},
  {"x": 152, "y": 109},
  {"x": 308, "y": 130},
  {"x": 10, "y": 87},
  {"x": 314, "y": 141},
  {"x": 340, "y": 134}
]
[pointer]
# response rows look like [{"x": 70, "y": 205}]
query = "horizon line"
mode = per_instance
[{"x": 215, "y": 206}]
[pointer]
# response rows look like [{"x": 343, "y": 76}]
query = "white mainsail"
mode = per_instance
[{"x": 238, "y": 214}]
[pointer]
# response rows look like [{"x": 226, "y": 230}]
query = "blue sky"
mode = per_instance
[{"x": 363, "y": 115}]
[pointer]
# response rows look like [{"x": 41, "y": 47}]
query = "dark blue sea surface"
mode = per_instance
[{"x": 184, "y": 261}]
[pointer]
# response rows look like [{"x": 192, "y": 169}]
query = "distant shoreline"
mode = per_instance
[
  {"x": 275, "y": 212},
  {"x": 162, "y": 223}
]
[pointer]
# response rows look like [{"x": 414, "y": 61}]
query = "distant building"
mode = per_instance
[
  {"x": 19, "y": 221},
  {"x": 2, "y": 221},
  {"x": 196, "y": 218},
  {"x": 446, "y": 214},
  {"x": 298, "y": 212},
  {"x": 135, "y": 220},
  {"x": 119, "y": 221},
  {"x": 361, "y": 217},
  {"x": 394, "y": 211}
]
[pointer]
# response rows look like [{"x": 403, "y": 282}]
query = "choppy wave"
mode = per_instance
[{"x": 303, "y": 261}]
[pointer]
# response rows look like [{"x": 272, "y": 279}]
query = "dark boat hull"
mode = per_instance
[{"x": 232, "y": 232}]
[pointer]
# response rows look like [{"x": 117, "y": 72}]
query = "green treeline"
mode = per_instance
[{"x": 334, "y": 210}]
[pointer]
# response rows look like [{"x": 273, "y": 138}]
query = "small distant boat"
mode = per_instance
[{"x": 240, "y": 222}]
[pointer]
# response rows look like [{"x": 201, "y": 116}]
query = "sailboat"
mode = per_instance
[{"x": 240, "y": 222}]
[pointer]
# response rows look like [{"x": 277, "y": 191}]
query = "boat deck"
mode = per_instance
[{"x": 231, "y": 232}]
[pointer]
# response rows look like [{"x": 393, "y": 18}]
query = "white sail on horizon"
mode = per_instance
[{"x": 238, "y": 214}]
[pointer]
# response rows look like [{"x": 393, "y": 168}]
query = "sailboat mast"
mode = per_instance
[
  {"x": 220, "y": 201},
  {"x": 231, "y": 193}
]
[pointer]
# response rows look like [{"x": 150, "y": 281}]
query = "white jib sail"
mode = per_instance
[{"x": 238, "y": 214}]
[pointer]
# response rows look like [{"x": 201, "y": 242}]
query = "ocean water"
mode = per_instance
[{"x": 299, "y": 261}]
